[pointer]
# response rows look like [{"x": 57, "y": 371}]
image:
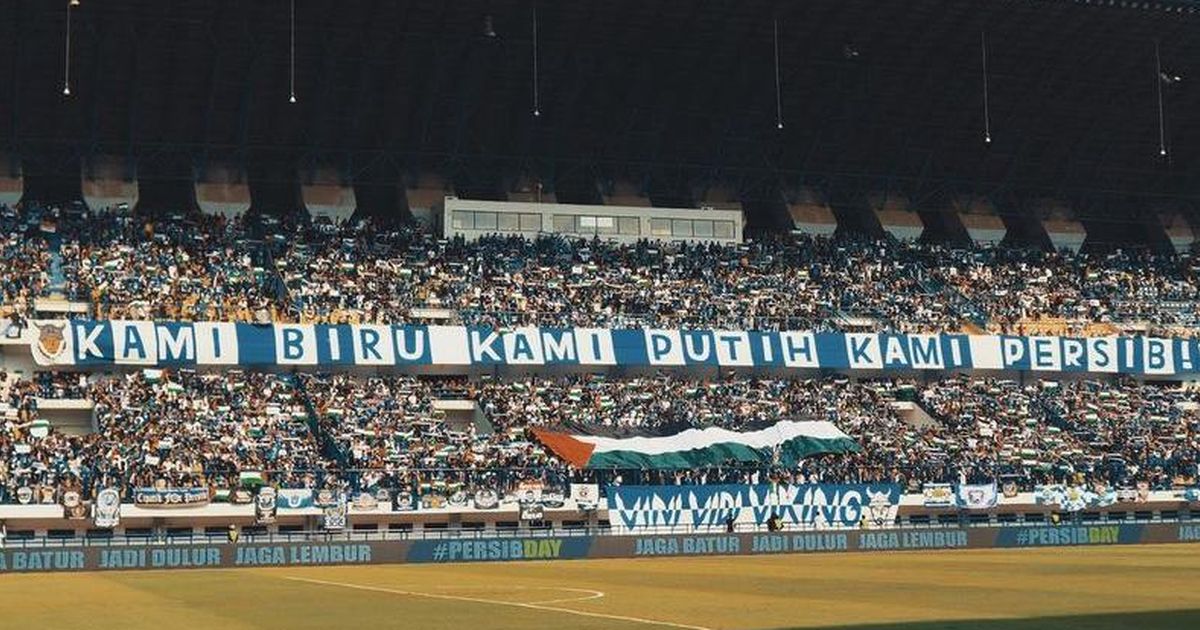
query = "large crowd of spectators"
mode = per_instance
[
  {"x": 1013, "y": 285},
  {"x": 201, "y": 268},
  {"x": 391, "y": 433},
  {"x": 258, "y": 269},
  {"x": 978, "y": 430},
  {"x": 1048, "y": 431},
  {"x": 194, "y": 429},
  {"x": 790, "y": 283},
  {"x": 152, "y": 428},
  {"x": 186, "y": 429},
  {"x": 24, "y": 261}
]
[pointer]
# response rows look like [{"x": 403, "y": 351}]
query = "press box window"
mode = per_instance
[
  {"x": 564, "y": 223},
  {"x": 531, "y": 223},
  {"x": 629, "y": 226},
  {"x": 599, "y": 225},
  {"x": 463, "y": 220},
  {"x": 508, "y": 222},
  {"x": 723, "y": 229},
  {"x": 485, "y": 221},
  {"x": 681, "y": 227},
  {"x": 703, "y": 228},
  {"x": 660, "y": 227}
]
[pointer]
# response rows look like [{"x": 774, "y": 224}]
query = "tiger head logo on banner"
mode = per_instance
[{"x": 51, "y": 341}]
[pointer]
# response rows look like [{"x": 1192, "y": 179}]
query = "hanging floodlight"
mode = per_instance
[
  {"x": 292, "y": 63},
  {"x": 1162, "y": 116},
  {"x": 67, "y": 57},
  {"x": 778, "y": 90},
  {"x": 537, "y": 110},
  {"x": 987, "y": 112}
]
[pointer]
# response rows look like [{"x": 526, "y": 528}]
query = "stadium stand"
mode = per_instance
[
  {"x": 362, "y": 272},
  {"x": 868, "y": 251},
  {"x": 200, "y": 267},
  {"x": 190, "y": 429},
  {"x": 371, "y": 432}
]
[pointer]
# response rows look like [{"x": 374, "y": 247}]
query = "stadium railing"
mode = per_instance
[{"x": 351, "y": 535}]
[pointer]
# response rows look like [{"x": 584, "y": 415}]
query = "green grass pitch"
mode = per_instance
[{"x": 1113, "y": 587}]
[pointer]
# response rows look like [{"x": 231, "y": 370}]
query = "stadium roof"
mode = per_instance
[{"x": 668, "y": 92}]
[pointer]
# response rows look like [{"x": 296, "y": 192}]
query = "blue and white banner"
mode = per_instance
[
  {"x": 702, "y": 508},
  {"x": 178, "y": 344},
  {"x": 1074, "y": 498},
  {"x": 294, "y": 499},
  {"x": 977, "y": 496}
]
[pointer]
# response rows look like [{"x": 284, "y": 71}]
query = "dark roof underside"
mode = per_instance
[{"x": 671, "y": 90}]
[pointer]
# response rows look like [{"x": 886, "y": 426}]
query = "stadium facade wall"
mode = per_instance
[{"x": 180, "y": 556}]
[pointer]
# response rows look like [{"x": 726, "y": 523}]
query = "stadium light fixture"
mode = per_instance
[
  {"x": 292, "y": 58},
  {"x": 537, "y": 110},
  {"x": 67, "y": 55},
  {"x": 1162, "y": 114},
  {"x": 987, "y": 112},
  {"x": 778, "y": 89}
]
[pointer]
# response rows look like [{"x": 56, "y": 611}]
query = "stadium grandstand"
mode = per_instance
[{"x": 300, "y": 283}]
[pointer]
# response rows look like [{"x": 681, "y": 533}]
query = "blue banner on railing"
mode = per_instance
[
  {"x": 692, "y": 508},
  {"x": 165, "y": 344}
]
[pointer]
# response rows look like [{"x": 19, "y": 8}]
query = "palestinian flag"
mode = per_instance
[
  {"x": 783, "y": 443},
  {"x": 251, "y": 479}
]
